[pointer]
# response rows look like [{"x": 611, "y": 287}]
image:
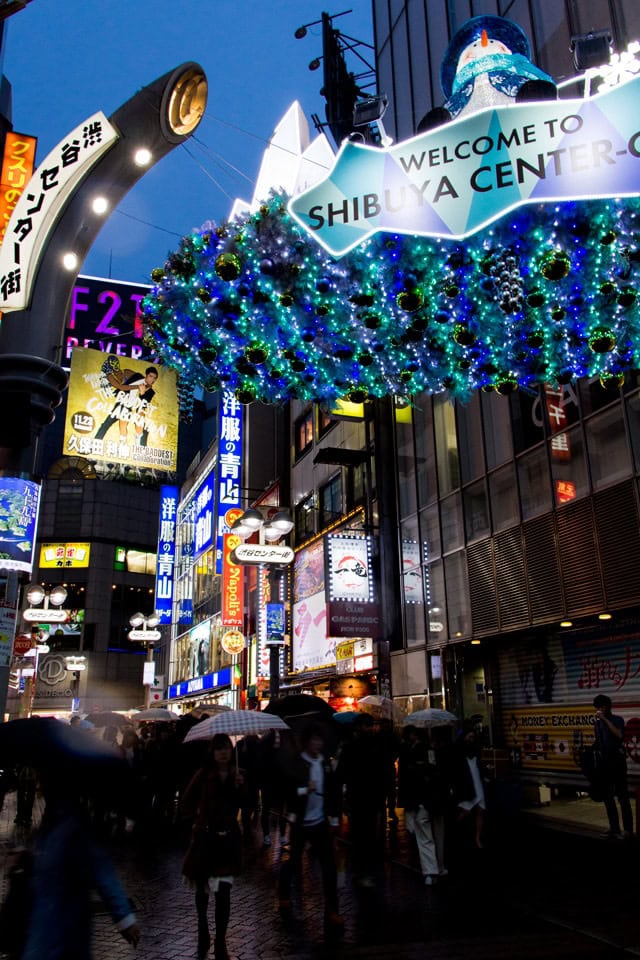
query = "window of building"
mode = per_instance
[
  {"x": 470, "y": 439},
  {"x": 406, "y": 460},
  {"x": 633, "y": 419},
  {"x": 457, "y": 587},
  {"x": 496, "y": 420},
  {"x": 446, "y": 445},
  {"x": 303, "y": 433},
  {"x": 330, "y": 496},
  {"x": 357, "y": 486},
  {"x": 452, "y": 525},
  {"x": 568, "y": 466},
  {"x": 609, "y": 455},
  {"x": 527, "y": 413},
  {"x": 476, "y": 511},
  {"x": 426, "y": 479},
  {"x": 535, "y": 487},
  {"x": 325, "y": 422},
  {"x": 430, "y": 534},
  {"x": 436, "y": 602},
  {"x": 304, "y": 518},
  {"x": 503, "y": 494},
  {"x": 593, "y": 396}
]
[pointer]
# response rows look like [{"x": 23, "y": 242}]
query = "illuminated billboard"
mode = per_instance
[
  {"x": 19, "y": 504},
  {"x": 106, "y": 315},
  {"x": 126, "y": 414},
  {"x": 17, "y": 166}
]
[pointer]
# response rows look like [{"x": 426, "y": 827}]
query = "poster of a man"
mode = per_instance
[
  {"x": 134, "y": 393},
  {"x": 118, "y": 414}
]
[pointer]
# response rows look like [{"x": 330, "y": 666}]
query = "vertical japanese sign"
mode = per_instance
[
  {"x": 232, "y": 584},
  {"x": 165, "y": 569},
  {"x": 17, "y": 166},
  {"x": 203, "y": 517},
  {"x": 229, "y": 466},
  {"x": 44, "y": 196},
  {"x": 19, "y": 504}
]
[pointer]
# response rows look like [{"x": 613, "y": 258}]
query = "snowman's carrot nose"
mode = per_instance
[{"x": 484, "y": 39}]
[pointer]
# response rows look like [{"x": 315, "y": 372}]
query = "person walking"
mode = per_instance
[
  {"x": 68, "y": 863},
  {"x": 363, "y": 770},
  {"x": 612, "y": 774},
  {"x": 420, "y": 793},
  {"x": 213, "y": 800},
  {"x": 313, "y": 807},
  {"x": 468, "y": 781}
]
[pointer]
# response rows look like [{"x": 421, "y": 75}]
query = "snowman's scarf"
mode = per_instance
[{"x": 506, "y": 72}]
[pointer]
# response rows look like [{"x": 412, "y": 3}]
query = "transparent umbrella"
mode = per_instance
[{"x": 431, "y": 717}]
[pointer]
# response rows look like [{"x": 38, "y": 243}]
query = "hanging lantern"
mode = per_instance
[
  {"x": 463, "y": 336},
  {"x": 602, "y": 340},
  {"x": 613, "y": 381},
  {"x": 256, "y": 353},
  {"x": 204, "y": 295},
  {"x": 505, "y": 385},
  {"x": 555, "y": 265},
  {"x": 410, "y": 300},
  {"x": 227, "y": 266},
  {"x": 535, "y": 298}
]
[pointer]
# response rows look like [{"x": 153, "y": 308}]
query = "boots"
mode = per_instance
[
  {"x": 223, "y": 911},
  {"x": 204, "y": 937}
]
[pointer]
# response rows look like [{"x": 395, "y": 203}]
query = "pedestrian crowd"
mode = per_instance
[{"x": 301, "y": 788}]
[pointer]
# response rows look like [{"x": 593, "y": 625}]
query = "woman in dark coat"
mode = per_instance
[{"x": 213, "y": 799}]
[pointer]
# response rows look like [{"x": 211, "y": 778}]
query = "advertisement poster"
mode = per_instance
[
  {"x": 311, "y": 648},
  {"x": 547, "y": 689},
  {"x": 121, "y": 410},
  {"x": 19, "y": 503},
  {"x": 349, "y": 567}
]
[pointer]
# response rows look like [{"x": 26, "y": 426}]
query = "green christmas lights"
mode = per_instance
[{"x": 547, "y": 294}]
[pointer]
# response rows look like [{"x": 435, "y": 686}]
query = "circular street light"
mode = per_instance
[
  {"x": 35, "y": 594},
  {"x": 57, "y": 596}
]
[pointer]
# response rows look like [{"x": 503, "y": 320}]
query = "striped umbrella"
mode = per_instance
[{"x": 235, "y": 723}]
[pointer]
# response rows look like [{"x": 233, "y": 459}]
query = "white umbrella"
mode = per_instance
[
  {"x": 155, "y": 713},
  {"x": 379, "y": 706},
  {"x": 235, "y": 723},
  {"x": 431, "y": 717}
]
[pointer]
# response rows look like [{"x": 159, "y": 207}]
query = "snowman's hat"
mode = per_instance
[{"x": 512, "y": 35}]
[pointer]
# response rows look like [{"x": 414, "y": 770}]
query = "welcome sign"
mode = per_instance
[{"x": 455, "y": 180}]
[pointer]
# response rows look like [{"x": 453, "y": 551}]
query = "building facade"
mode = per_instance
[{"x": 521, "y": 510}]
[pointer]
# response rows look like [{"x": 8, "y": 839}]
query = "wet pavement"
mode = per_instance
[{"x": 534, "y": 892}]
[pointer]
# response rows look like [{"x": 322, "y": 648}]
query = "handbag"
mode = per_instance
[{"x": 591, "y": 761}]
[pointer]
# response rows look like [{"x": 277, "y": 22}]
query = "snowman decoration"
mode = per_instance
[{"x": 487, "y": 64}]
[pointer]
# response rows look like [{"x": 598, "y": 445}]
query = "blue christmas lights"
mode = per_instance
[{"x": 547, "y": 294}]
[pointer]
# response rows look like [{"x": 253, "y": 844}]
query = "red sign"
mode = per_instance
[{"x": 22, "y": 644}]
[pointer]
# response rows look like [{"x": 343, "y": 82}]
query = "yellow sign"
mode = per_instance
[
  {"x": 347, "y": 410},
  {"x": 65, "y": 554},
  {"x": 549, "y": 736},
  {"x": 232, "y": 642},
  {"x": 17, "y": 167},
  {"x": 122, "y": 414},
  {"x": 344, "y": 651}
]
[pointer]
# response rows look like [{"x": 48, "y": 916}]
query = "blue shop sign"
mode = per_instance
[{"x": 210, "y": 681}]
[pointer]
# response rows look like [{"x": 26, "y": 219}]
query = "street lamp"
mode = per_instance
[
  {"x": 270, "y": 529},
  {"x": 144, "y": 631},
  {"x": 49, "y": 612},
  {"x": 75, "y": 664}
]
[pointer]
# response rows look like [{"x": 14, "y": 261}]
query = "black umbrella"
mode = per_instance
[
  {"x": 301, "y": 709},
  {"x": 107, "y": 718},
  {"x": 61, "y": 750},
  {"x": 300, "y": 706}
]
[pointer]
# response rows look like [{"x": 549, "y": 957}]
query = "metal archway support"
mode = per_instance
[{"x": 159, "y": 117}]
